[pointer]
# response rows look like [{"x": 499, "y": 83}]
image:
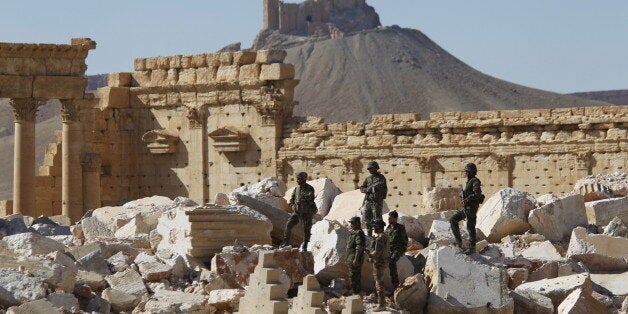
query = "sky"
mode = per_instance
[{"x": 562, "y": 46}]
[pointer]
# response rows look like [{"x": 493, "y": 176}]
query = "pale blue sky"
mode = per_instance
[{"x": 563, "y": 46}]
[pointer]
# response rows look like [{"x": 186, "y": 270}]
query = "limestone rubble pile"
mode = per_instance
[{"x": 162, "y": 255}]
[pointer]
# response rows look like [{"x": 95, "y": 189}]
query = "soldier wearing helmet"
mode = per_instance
[
  {"x": 302, "y": 203},
  {"x": 375, "y": 189},
  {"x": 472, "y": 197}
]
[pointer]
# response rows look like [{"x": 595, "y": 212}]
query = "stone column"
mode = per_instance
[
  {"x": 71, "y": 170},
  {"x": 583, "y": 164},
  {"x": 426, "y": 176},
  {"x": 503, "y": 169},
  {"x": 197, "y": 156},
  {"x": 91, "y": 181},
  {"x": 25, "y": 111}
]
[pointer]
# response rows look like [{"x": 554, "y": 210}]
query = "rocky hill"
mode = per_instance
[{"x": 617, "y": 97}]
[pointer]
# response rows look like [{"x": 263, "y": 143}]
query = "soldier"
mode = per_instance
[
  {"x": 472, "y": 197},
  {"x": 398, "y": 237},
  {"x": 302, "y": 203},
  {"x": 375, "y": 189},
  {"x": 355, "y": 253},
  {"x": 379, "y": 255}
]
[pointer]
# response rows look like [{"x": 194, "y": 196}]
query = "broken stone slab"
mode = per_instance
[
  {"x": 225, "y": 299},
  {"x": 599, "y": 252},
  {"x": 93, "y": 228},
  {"x": 95, "y": 281},
  {"x": 203, "y": 231},
  {"x": 51, "y": 230},
  {"x": 155, "y": 271},
  {"x": 611, "y": 284},
  {"x": 602, "y": 186},
  {"x": 532, "y": 302},
  {"x": 221, "y": 199},
  {"x": 556, "y": 220},
  {"x": 517, "y": 276},
  {"x": 616, "y": 228},
  {"x": 548, "y": 270},
  {"x": 440, "y": 233},
  {"x": 559, "y": 288},
  {"x": 12, "y": 225},
  {"x": 63, "y": 259},
  {"x": 147, "y": 209},
  {"x": 440, "y": 199},
  {"x": 17, "y": 288},
  {"x": 120, "y": 301},
  {"x": 325, "y": 192},
  {"x": 425, "y": 221},
  {"x": 29, "y": 244},
  {"x": 461, "y": 283},
  {"x": 118, "y": 262},
  {"x": 215, "y": 281},
  {"x": 270, "y": 191},
  {"x": 128, "y": 281},
  {"x": 66, "y": 301},
  {"x": 347, "y": 205},
  {"x": 34, "y": 307},
  {"x": 133, "y": 228},
  {"x": 412, "y": 294},
  {"x": 328, "y": 245},
  {"x": 164, "y": 301},
  {"x": 94, "y": 262},
  {"x": 601, "y": 212},
  {"x": 405, "y": 269},
  {"x": 542, "y": 251},
  {"x": 54, "y": 275},
  {"x": 505, "y": 213},
  {"x": 183, "y": 266},
  {"x": 277, "y": 216},
  {"x": 579, "y": 301}
]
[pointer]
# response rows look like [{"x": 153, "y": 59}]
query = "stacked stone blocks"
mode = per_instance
[{"x": 265, "y": 294}]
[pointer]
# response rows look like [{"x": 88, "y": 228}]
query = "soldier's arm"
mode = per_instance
[
  {"x": 293, "y": 197},
  {"x": 364, "y": 187},
  {"x": 359, "y": 247},
  {"x": 307, "y": 195},
  {"x": 476, "y": 191}
]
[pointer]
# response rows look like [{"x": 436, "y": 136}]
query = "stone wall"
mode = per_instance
[{"x": 538, "y": 151}]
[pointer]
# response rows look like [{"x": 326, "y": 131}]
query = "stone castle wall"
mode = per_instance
[{"x": 538, "y": 151}]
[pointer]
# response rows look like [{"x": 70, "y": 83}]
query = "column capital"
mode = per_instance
[
  {"x": 25, "y": 109},
  {"x": 196, "y": 117},
  {"x": 69, "y": 111},
  {"x": 502, "y": 161}
]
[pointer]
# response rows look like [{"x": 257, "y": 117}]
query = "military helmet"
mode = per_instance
[
  {"x": 471, "y": 167},
  {"x": 393, "y": 214},
  {"x": 354, "y": 220},
  {"x": 302, "y": 175},
  {"x": 372, "y": 164},
  {"x": 379, "y": 223}
]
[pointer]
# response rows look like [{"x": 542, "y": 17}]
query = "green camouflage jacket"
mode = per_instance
[
  {"x": 356, "y": 244},
  {"x": 398, "y": 239},
  {"x": 375, "y": 187},
  {"x": 305, "y": 194}
]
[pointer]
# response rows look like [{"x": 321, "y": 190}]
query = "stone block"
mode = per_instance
[
  {"x": 347, "y": 205},
  {"x": 440, "y": 199},
  {"x": 579, "y": 301},
  {"x": 56, "y": 67},
  {"x": 120, "y": 300},
  {"x": 141, "y": 78},
  {"x": 277, "y": 72},
  {"x": 16, "y": 86},
  {"x": 206, "y": 75},
  {"x": 532, "y": 302},
  {"x": 187, "y": 77},
  {"x": 556, "y": 219},
  {"x": 244, "y": 57},
  {"x": 505, "y": 213},
  {"x": 127, "y": 281},
  {"x": 599, "y": 252},
  {"x": 19, "y": 288},
  {"x": 543, "y": 251},
  {"x": 226, "y": 58},
  {"x": 63, "y": 300},
  {"x": 559, "y": 288},
  {"x": 264, "y": 294},
  {"x": 228, "y": 73},
  {"x": 213, "y": 59},
  {"x": 310, "y": 297},
  {"x": 250, "y": 72},
  {"x": 113, "y": 97},
  {"x": 601, "y": 212},
  {"x": 119, "y": 79},
  {"x": 29, "y": 244},
  {"x": 412, "y": 294},
  {"x": 270, "y": 56},
  {"x": 225, "y": 299},
  {"x": 178, "y": 302},
  {"x": 198, "y": 61},
  {"x": 34, "y": 307},
  {"x": 59, "y": 87}
]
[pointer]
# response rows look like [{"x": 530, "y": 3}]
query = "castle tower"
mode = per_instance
[{"x": 271, "y": 14}]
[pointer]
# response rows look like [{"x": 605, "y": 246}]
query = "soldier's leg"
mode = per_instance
[
  {"x": 378, "y": 210},
  {"x": 368, "y": 218},
  {"x": 307, "y": 229},
  {"x": 455, "y": 229},
  {"x": 471, "y": 219},
  {"x": 394, "y": 276},
  {"x": 378, "y": 272},
  {"x": 293, "y": 221},
  {"x": 356, "y": 276}
]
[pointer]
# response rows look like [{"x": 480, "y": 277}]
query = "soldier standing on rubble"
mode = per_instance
[
  {"x": 380, "y": 257},
  {"x": 355, "y": 253},
  {"x": 398, "y": 237},
  {"x": 472, "y": 197},
  {"x": 302, "y": 203},
  {"x": 375, "y": 189}
]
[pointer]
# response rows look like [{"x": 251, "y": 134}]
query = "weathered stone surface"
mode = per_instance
[
  {"x": 29, "y": 244},
  {"x": 598, "y": 251},
  {"x": 532, "y": 302},
  {"x": 94, "y": 262},
  {"x": 616, "y": 228},
  {"x": 347, "y": 205},
  {"x": 328, "y": 245},
  {"x": 460, "y": 283},
  {"x": 440, "y": 232},
  {"x": 516, "y": 276},
  {"x": 118, "y": 262},
  {"x": 120, "y": 300},
  {"x": 603, "y": 211},
  {"x": 310, "y": 297},
  {"x": 155, "y": 271},
  {"x": 556, "y": 220},
  {"x": 66, "y": 301},
  {"x": 34, "y": 307},
  {"x": 264, "y": 293},
  {"x": 93, "y": 228},
  {"x": 164, "y": 301},
  {"x": 548, "y": 270},
  {"x": 578, "y": 301},
  {"x": 611, "y": 283},
  {"x": 270, "y": 191},
  {"x": 128, "y": 281},
  {"x": 215, "y": 281},
  {"x": 325, "y": 192},
  {"x": 221, "y": 199},
  {"x": 270, "y": 56},
  {"x": 557, "y": 289},
  {"x": 412, "y": 294},
  {"x": 602, "y": 186},
  {"x": 505, "y": 213},
  {"x": 425, "y": 221},
  {"x": 440, "y": 199},
  {"x": 277, "y": 216},
  {"x": 13, "y": 224},
  {"x": 543, "y": 251},
  {"x": 225, "y": 299},
  {"x": 95, "y": 281},
  {"x": 16, "y": 288},
  {"x": 133, "y": 228}
]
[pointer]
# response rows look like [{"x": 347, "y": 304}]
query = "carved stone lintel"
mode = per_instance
[
  {"x": 504, "y": 162},
  {"x": 196, "y": 117},
  {"x": 25, "y": 109},
  {"x": 69, "y": 111},
  {"x": 583, "y": 160}
]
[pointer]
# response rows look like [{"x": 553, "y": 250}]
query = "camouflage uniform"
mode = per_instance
[
  {"x": 398, "y": 244},
  {"x": 472, "y": 197},
  {"x": 355, "y": 246},
  {"x": 380, "y": 256},
  {"x": 303, "y": 212},
  {"x": 375, "y": 189}
]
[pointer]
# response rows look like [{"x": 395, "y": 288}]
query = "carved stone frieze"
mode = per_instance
[
  {"x": 196, "y": 117},
  {"x": 25, "y": 109}
]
